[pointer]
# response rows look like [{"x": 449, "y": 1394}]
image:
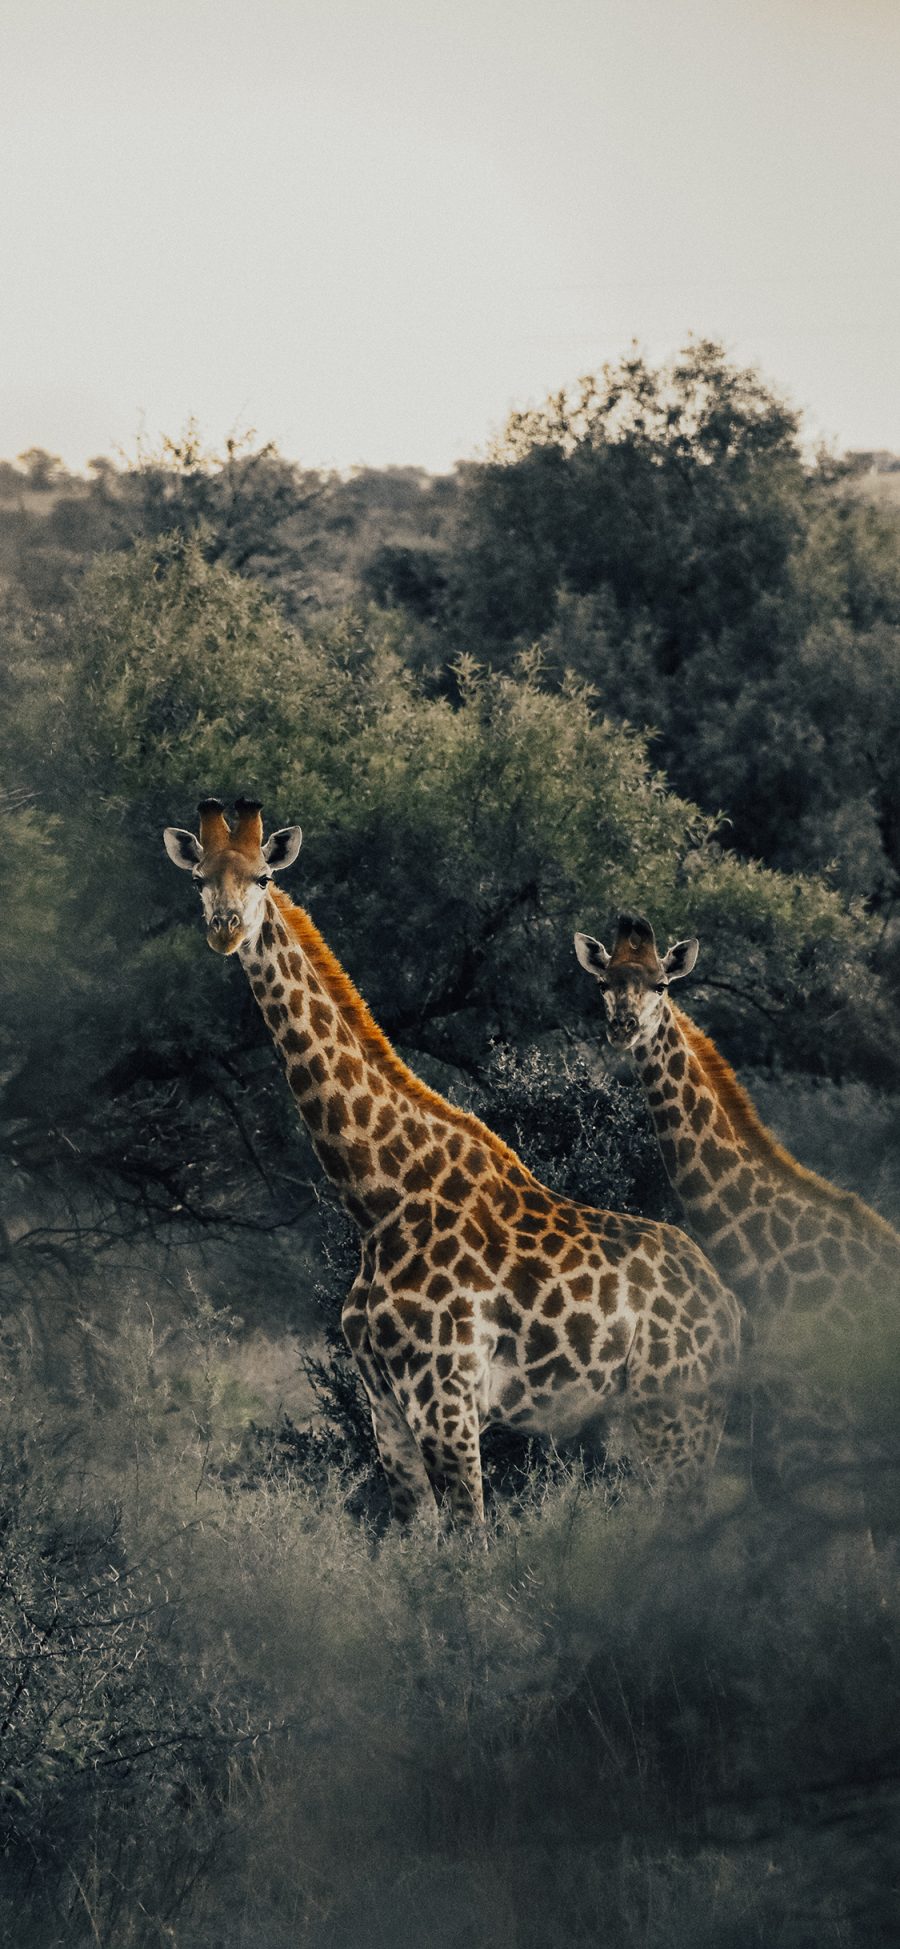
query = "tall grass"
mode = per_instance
[{"x": 610, "y": 1726}]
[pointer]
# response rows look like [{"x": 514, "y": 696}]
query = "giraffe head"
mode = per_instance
[
  {"x": 633, "y": 979},
  {"x": 231, "y": 868}
]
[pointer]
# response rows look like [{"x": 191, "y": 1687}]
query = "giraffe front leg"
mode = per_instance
[
  {"x": 408, "y": 1483},
  {"x": 452, "y": 1452}
]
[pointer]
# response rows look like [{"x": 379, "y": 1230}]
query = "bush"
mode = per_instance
[
  {"x": 588, "y": 1139},
  {"x": 116, "y": 1751},
  {"x": 607, "y": 1721}
]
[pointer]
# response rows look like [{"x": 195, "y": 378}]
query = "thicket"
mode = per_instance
[{"x": 451, "y": 845}]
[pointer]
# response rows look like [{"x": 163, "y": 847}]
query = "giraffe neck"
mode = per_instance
[
  {"x": 379, "y": 1133},
  {"x": 704, "y": 1155},
  {"x": 775, "y": 1230}
]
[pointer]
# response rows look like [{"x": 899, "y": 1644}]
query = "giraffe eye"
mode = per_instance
[
  {"x": 264, "y": 879},
  {"x": 661, "y": 987}
]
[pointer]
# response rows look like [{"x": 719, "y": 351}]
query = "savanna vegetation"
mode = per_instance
[{"x": 646, "y": 654}]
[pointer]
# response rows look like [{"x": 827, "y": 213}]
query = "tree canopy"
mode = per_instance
[
  {"x": 647, "y": 653},
  {"x": 452, "y": 844}
]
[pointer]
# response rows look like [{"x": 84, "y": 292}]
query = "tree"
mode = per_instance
[
  {"x": 675, "y": 491},
  {"x": 43, "y": 470},
  {"x": 661, "y": 533}
]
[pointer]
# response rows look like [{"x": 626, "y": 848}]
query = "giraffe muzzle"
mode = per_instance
[
  {"x": 622, "y": 1030},
  {"x": 224, "y": 932}
]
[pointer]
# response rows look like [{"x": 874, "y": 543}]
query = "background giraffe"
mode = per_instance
[
  {"x": 481, "y": 1295},
  {"x": 786, "y": 1240}
]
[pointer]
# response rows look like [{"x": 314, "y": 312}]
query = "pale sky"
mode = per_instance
[{"x": 369, "y": 228}]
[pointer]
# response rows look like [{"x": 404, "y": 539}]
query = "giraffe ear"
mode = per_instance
[
  {"x": 183, "y": 849},
  {"x": 282, "y": 848},
  {"x": 680, "y": 959},
  {"x": 592, "y": 955}
]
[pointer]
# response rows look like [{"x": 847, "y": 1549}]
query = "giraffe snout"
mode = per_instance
[{"x": 224, "y": 928}]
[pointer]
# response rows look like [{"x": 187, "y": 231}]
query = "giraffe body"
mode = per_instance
[{"x": 482, "y": 1296}]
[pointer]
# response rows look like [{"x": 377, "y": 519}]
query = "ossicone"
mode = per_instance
[
  {"x": 214, "y": 831},
  {"x": 247, "y": 832}
]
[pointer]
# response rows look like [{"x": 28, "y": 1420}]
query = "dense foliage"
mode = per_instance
[
  {"x": 661, "y": 531},
  {"x": 451, "y": 844}
]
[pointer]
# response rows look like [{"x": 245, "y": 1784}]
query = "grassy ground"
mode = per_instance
[{"x": 240, "y": 1717}]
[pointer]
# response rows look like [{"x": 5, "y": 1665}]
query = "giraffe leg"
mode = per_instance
[
  {"x": 408, "y": 1483},
  {"x": 453, "y": 1459},
  {"x": 677, "y": 1441},
  {"x": 804, "y": 1455}
]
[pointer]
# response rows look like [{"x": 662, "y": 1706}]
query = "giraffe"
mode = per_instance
[
  {"x": 786, "y": 1241},
  {"x": 481, "y": 1296}
]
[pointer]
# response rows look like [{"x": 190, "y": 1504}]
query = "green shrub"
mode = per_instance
[
  {"x": 116, "y": 1750},
  {"x": 608, "y": 1720}
]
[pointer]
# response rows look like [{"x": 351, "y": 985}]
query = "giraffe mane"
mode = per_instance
[
  {"x": 749, "y": 1124},
  {"x": 373, "y": 1040}
]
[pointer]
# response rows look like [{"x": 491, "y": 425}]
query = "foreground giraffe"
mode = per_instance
[
  {"x": 481, "y": 1296},
  {"x": 785, "y": 1240}
]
